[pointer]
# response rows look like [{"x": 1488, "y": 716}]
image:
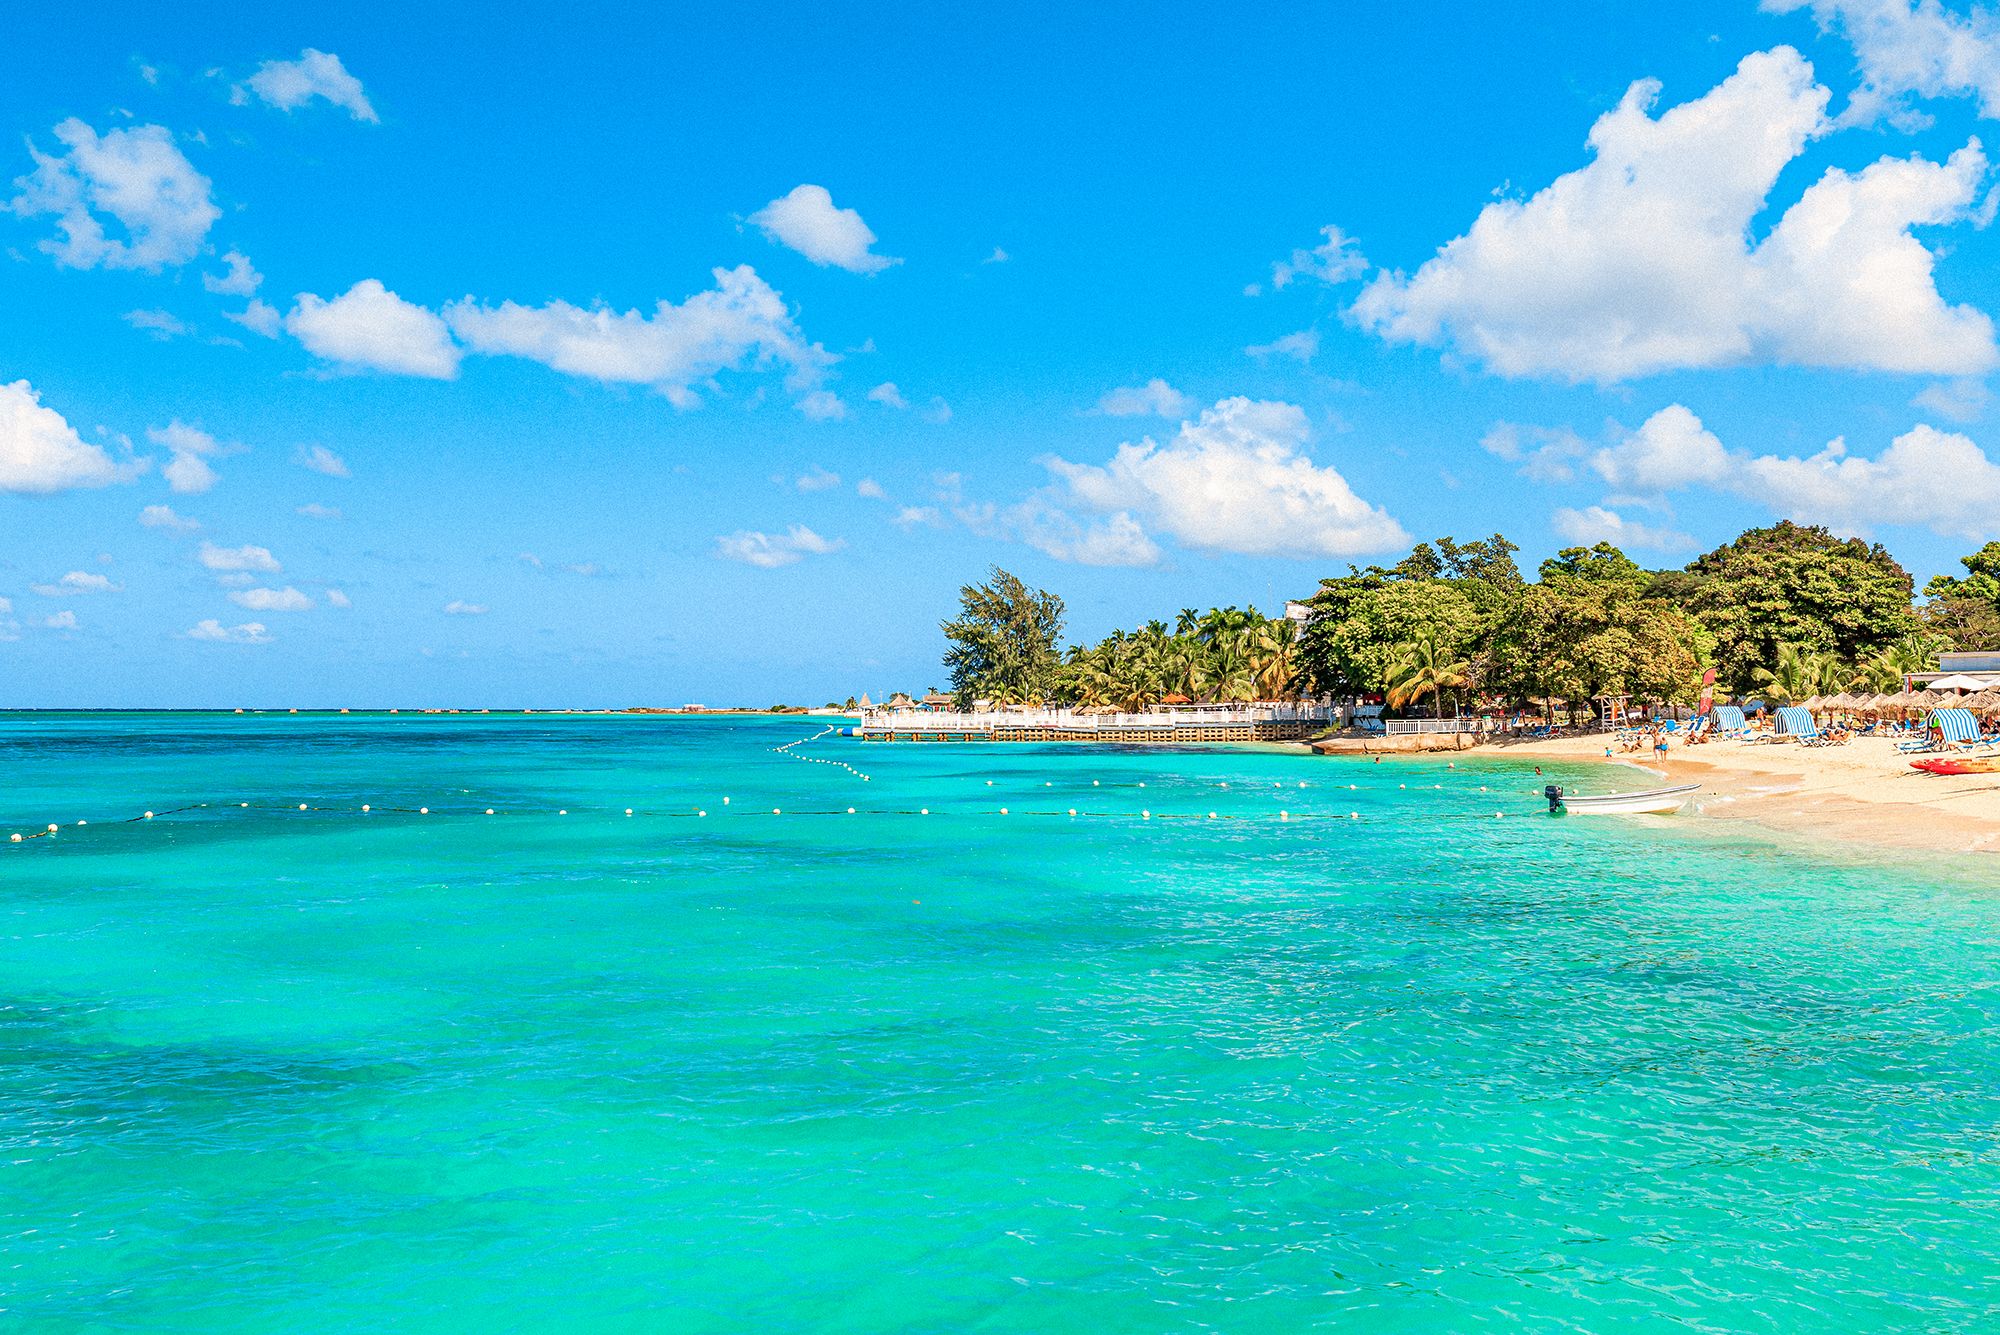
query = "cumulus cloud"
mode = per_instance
[
  {"x": 1959, "y": 400},
  {"x": 238, "y": 278},
  {"x": 1237, "y": 480},
  {"x": 250, "y": 632},
  {"x": 807, "y": 221},
  {"x": 60, "y": 621},
  {"x": 1155, "y": 398},
  {"x": 458, "y": 608},
  {"x": 287, "y": 599},
  {"x": 1114, "y": 540},
  {"x": 75, "y": 582},
  {"x": 1641, "y": 261},
  {"x": 870, "y": 488},
  {"x": 816, "y": 479},
  {"x": 319, "y": 459},
  {"x": 1926, "y": 478},
  {"x": 40, "y": 452},
  {"x": 162, "y": 325},
  {"x": 1302, "y": 346},
  {"x": 1336, "y": 259},
  {"x": 338, "y": 598},
  {"x": 1595, "y": 524},
  {"x": 368, "y": 327},
  {"x": 135, "y": 179},
  {"x": 888, "y": 395},
  {"x": 823, "y": 405},
  {"x": 1670, "y": 449},
  {"x": 317, "y": 511},
  {"x": 238, "y": 558},
  {"x": 259, "y": 317},
  {"x": 163, "y": 516},
  {"x": 1906, "y": 47},
  {"x": 767, "y": 551},
  {"x": 290, "y": 84},
  {"x": 1545, "y": 454},
  {"x": 187, "y": 469},
  {"x": 740, "y": 321}
]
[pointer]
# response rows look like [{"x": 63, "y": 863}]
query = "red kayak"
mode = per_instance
[{"x": 1941, "y": 765}]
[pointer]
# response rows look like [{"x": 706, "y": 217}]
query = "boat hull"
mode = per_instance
[
  {"x": 1941, "y": 765},
  {"x": 1658, "y": 802}
]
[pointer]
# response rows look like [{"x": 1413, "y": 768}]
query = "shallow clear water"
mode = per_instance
[{"x": 263, "y": 1069}]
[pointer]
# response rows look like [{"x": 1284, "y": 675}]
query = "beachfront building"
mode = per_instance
[
  {"x": 1273, "y": 721},
  {"x": 1959, "y": 671}
]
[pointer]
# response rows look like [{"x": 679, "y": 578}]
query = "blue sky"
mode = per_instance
[{"x": 944, "y": 287}]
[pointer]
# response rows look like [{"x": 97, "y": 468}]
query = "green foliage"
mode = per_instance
[
  {"x": 1225, "y": 654},
  {"x": 1797, "y": 585},
  {"x": 1422, "y": 668},
  {"x": 1965, "y": 611},
  {"x": 1003, "y": 644}
]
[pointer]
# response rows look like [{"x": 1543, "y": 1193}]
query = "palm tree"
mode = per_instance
[
  {"x": 1798, "y": 673},
  {"x": 1422, "y": 668}
]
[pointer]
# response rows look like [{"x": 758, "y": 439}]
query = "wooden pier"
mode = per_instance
[{"x": 1248, "y": 723}]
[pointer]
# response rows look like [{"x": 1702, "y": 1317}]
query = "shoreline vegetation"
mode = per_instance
[{"x": 1775, "y": 616}]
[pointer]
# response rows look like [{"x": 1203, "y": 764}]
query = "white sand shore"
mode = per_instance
[{"x": 1863, "y": 792}]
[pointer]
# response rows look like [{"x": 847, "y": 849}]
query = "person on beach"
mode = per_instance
[{"x": 1660, "y": 744}]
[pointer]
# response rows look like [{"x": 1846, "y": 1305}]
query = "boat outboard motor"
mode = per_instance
[{"x": 1555, "y": 796}]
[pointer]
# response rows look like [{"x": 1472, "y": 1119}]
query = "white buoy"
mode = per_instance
[
  {"x": 242, "y": 804},
  {"x": 1093, "y": 784},
  {"x": 924, "y": 811},
  {"x": 421, "y": 811},
  {"x": 1093, "y": 781},
  {"x": 1284, "y": 815},
  {"x": 149, "y": 815},
  {"x": 489, "y": 811},
  {"x": 725, "y": 801},
  {"x": 15, "y": 838},
  {"x": 628, "y": 811},
  {"x": 1402, "y": 785},
  {"x": 83, "y": 822},
  {"x": 1072, "y": 811},
  {"x": 302, "y": 806},
  {"x": 850, "y": 811},
  {"x": 1145, "y": 815},
  {"x": 52, "y": 827},
  {"x": 989, "y": 783},
  {"x": 1211, "y": 815},
  {"x": 1354, "y": 815},
  {"x": 364, "y": 807},
  {"x": 1003, "y": 811}
]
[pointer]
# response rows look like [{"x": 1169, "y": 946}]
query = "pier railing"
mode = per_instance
[
  {"x": 1069, "y": 720},
  {"x": 1430, "y": 725}
]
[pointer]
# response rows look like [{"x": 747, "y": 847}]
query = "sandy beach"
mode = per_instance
[{"x": 1863, "y": 792}]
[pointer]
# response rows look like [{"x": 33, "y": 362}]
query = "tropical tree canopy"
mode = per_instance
[{"x": 1004, "y": 642}]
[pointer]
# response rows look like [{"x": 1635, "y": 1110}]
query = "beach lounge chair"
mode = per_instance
[
  {"x": 1794, "y": 723},
  {"x": 1957, "y": 730},
  {"x": 1727, "y": 720}
]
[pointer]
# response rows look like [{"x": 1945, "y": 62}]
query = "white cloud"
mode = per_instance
[
  {"x": 1911, "y": 46},
  {"x": 1155, "y": 398},
  {"x": 240, "y": 279},
  {"x": 767, "y": 551},
  {"x": 40, "y": 452},
  {"x": 1337, "y": 259},
  {"x": 918, "y": 516},
  {"x": 1935, "y": 479},
  {"x": 937, "y": 410},
  {"x": 998, "y": 256},
  {"x": 287, "y": 599},
  {"x": 888, "y": 395},
  {"x": 818, "y": 479},
  {"x": 60, "y": 621},
  {"x": 337, "y": 598},
  {"x": 1545, "y": 454},
  {"x": 163, "y": 516},
  {"x": 235, "y": 579},
  {"x": 290, "y": 84},
  {"x": 807, "y": 221},
  {"x": 6, "y": 605},
  {"x": 1114, "y": 540},
  {"x": 187, "y": 469},
  {"x": 315, "y": 510},
  {"x": 319, "y": 459},
  {"x": 369, "y": 327},
  {"x": 1237, "y": 480},
  {"x": 1641, "y": 261},
  {"x": 1595, "y": 524},
  {"x": 250, "y": 632},
  {"x": 162, "y": 325},
  {"x": 259, "y": 317},
  {"x": 823, "y": 405},
  {"x": 238, "y": 558},
  {"x": 457, "y": 608},
  {"x": 741, "y": 320},
  {"x": 1960, "y": 400},
  {"x": 1670, "y": 449},
  {"x": 76, "y": 582},
  {"x": 870, "y": 488},
  {"x": 1302, "y": 346},
  {"x": 135, "y": 178}
]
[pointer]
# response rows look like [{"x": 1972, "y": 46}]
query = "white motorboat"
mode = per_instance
[{"x": 1653, "y": 802}]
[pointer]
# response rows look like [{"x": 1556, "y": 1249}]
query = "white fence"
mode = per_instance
[
  {"x": 934, "y": 720},
  {"x": 1428, "y": 725}
]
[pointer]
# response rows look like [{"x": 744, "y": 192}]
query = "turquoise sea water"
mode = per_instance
[{"x": 1425, "y": 1070}]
